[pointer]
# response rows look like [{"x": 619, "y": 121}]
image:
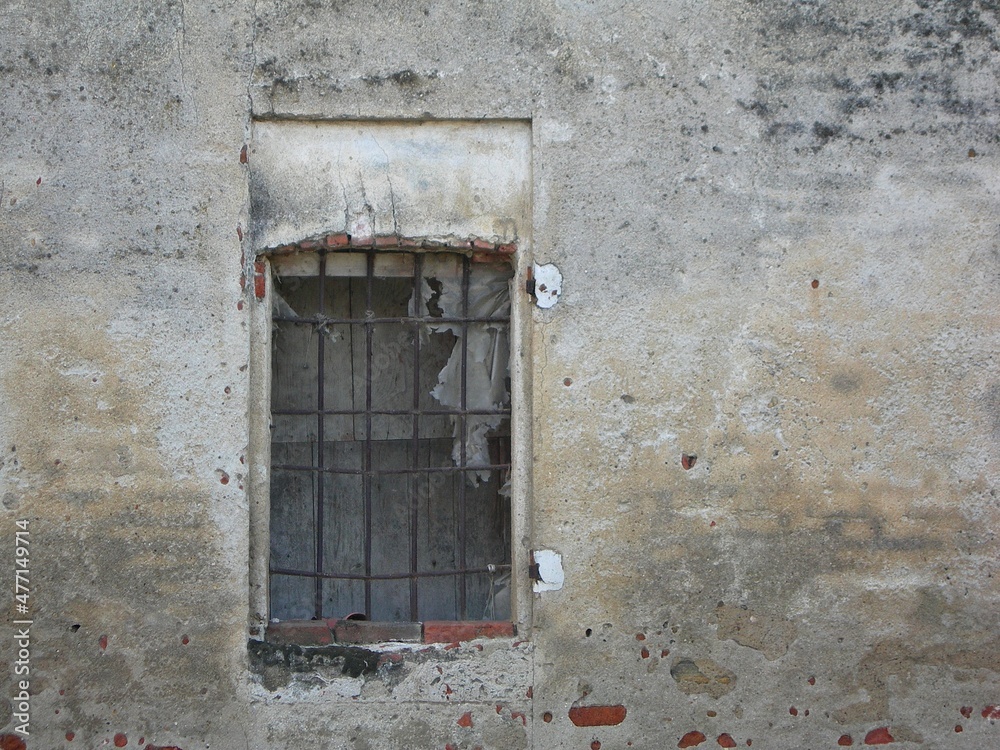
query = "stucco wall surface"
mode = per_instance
[{"x": 764, "y": 413}]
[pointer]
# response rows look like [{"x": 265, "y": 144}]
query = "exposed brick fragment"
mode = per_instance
[
  {"x": 387, "y": 240},
  {"x": 12, "y": 742},
  {"x": 338, "y": 240},
  {"x": 644, "y": 653},
  {"x": 121, "y": 740},
  {"x": 845, "y": 740},
  {"x": 508, "y": 249},
  {"x": 595, "y": 745},
  {"x": 688, "y": 461},
  {"x": 991, "y": 712},
  {"x": 259, "y": 279},
  {"x": 725, "y": 740},
  {"x": 300, "y": 632},
  {"x": 966, "y": 711},
  {"x": 70, "y": 736},
  {"x": 793, "y": 711},
  {"x": 691, "y": 739},
  {"x": 445, "y": 631},
  {"x": 879, "y": 736},
  {"x": 597, "y": 716},
  {"x": 958, "y": 728},
  {"x": 311, "y": 244},
  {"x": 103, "y": 642},
  {"x": 518, "y": 715},
  {"x": 465, "y": 720},
  {"x": 243, "y": 155},
  {"x": 364, "y": 631},
  {"x": 478, "y": 244}
]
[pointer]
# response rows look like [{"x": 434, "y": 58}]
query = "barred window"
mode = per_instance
[{"x": 390, "y": 436}]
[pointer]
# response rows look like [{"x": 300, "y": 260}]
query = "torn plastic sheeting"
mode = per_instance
[
  {"x": 281, "y": 308},
  {"x": 487, "y": 357}
]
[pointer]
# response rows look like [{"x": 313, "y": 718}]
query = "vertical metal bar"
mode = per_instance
[
  {"x": 369, "y": 335},
  {"x": 415, "y": 478},
  {"x": 320, "y": 501},
  {"x": 463, "y": 431}
]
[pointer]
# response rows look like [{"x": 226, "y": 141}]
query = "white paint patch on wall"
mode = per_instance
[
  {"x": 550, "y": 571},
  {"x": 548, "y": 285}
]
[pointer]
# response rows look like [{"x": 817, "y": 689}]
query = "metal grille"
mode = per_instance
[{"x": 360, "y": 459}]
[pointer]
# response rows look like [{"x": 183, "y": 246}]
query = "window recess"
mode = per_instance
[{"x": 390, "y": 436}]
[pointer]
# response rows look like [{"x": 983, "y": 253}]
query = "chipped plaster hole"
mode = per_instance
[{"x": 815, "y": 284}]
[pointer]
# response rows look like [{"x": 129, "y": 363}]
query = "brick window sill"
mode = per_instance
[{"x": 331, "y": 632}]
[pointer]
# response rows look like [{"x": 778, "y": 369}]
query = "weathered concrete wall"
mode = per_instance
[{"x": 776, "y": 223}]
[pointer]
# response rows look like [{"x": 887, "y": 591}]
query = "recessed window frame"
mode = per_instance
[{"x": 262, "y": 287}]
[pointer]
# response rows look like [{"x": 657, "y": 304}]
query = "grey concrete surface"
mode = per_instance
[{"x": 777, "y": 227}]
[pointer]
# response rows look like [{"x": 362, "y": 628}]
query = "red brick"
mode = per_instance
[
  {"x": 508, "y": 249},
  {"x": 845, "y": 740},
  {"x": 12, "y": 742},
  {"x": 300, "y": 632},
  {"x": 259, "y": 280},
  {"x": 121, "y": 740},
  {"x": 879, "y": 736},
  {"x": 691, "y": 739},
  {"x": 465, "y": 720},
  {"x": 478, "y": 244},
  {"x": 387, "y": 240},
  {"x": 725, "y": 740},
  {"x": 446, "y": 631},
  {"x": 311, "y": 244},
  {"x": 338, "y": 240},
  {"x": 363, "y": 631},
  {"x": 597, "y": 716}
]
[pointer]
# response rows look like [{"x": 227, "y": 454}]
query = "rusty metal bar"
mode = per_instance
[
  {"x": 390, "y": 576},
  {"x": 463, "y": 438},
  {"x": 369, "y": 336},
  {"x": 380, "y": 472},
  {"x": 320, "y": 442},
  {"x": 391, "y": 412},
  {"x": 414, "y": 484},
  {"x": 504, "y": 321}
]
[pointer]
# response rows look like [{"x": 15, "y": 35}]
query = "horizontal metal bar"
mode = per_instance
[
  {"x": 390, "y": 412},
  {"x": 387, "y": 576},
  {"x": 366, "y": 321},
  {"x": 425, "y": 470}
]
